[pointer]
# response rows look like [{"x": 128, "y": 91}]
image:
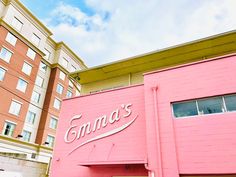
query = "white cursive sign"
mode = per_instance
[{"x": 75, "y": 132}]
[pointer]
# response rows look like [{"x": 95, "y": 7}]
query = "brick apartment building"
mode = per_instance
[{"x": 33, "y": 81}]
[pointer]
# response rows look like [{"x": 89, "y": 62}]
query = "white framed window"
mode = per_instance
[
  {"x": 35, "y": 39},
  {"x": 31, "y": 53},
  {"x": 39, "y": 81},
  {"x": 57, "y": 103},
  {"x": 30, "y": 118},
  {"x": 47, "y": 54},
  {"x": 27, "y": 68},
  {"x": 8, "y": 128},
  {"x": 64, "y": 62},
  {"x": 17, "y": 24},
  {"x": 50, "y": 140},
  {"x": 53, "y": 123},
  {"x": 70, "y": 84},
  {"x": 60, "y": 88},
  {"x": 205, "y": 106},
  {"x": 26, "y": 135},
  {"x": 73, "y": 68},
  {"x": 15, "y": 107},
  {"x": 42, "y": 67},
  {"x": 21, "y": 85},
  {"x": 11, "y": 39},
  {"x": 5, "y": 55},
  {"x": 35, "y": 97},
  {"x": 62, "y": 75},
  {"x": 69, "y": 94},
  {"x": 2, "y": 73}
]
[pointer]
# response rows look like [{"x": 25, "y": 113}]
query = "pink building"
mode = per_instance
[{"x": 180, "y": 122}]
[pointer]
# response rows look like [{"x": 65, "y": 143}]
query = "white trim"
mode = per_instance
[
  {"x": 16, "y": 101},
  {"x": 3, "y": 68},
  {"x": 28, "y": 63},
  {"x": 3, "y": 46},
  {"x": 23, "y": 79},
  {"x": 10, "y": 122}
]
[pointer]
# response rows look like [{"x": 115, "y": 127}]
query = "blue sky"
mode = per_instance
[{"x": 102, "y": 31}]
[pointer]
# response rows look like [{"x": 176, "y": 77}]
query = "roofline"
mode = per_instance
[
  {"x": 17, "y": 2},
  {"x": 61, "y": 44},
  {"x": 155, "y": 51}
]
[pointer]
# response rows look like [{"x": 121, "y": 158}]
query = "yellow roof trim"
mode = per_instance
[
  {"x": 17, "y": 3},
  {"x": 224, "y": 43}
]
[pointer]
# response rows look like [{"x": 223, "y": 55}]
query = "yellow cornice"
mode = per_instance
[
  {"x": 205, "y": 48},
  {"x": 63, "y": 46},
  {"x": 57, "y": 65},
  {"x": 52, "y": 43},
  {"x": 27, "y": 13},
  {"x": 34, "y": 146},
  {"x": 21, "y": 37},
  {"x": 4, "y": 1}
]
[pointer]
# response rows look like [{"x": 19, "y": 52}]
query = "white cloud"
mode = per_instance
[{"x": 120, "y": 29}]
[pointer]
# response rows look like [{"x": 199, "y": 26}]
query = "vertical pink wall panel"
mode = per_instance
[{"x": 203, "y": 144}]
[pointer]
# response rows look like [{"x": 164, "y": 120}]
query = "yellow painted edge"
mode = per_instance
[
  {"x": 21, "y": 37},
  {"x": 19, "y": 4}
]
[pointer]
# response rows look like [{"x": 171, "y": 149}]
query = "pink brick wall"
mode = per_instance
[{"x": 199, "y": 145}]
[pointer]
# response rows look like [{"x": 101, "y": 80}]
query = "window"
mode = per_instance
[
  {"x": 43, "y": 67},
  {"x": 17, "y": 24},
  {"x": 212, "y": 105},
  {"x": 35, "y": 97},
  {"x": 53, "y": 123},
  {"x": 30, "y": 118},
  {"x": 69, "y": 94},
  {"x": 59, "y": 88},
  {"x": 27, "y": 68},
  {"x": 230, "y": 102},
  {"x": 47, "y": 54},
  {"x": 50, "y": 140},
  {"x": 73, "y": 68},
  {"x": 11, "y": 39},
  {"x": 64, "y": 62},
  {"x": 9, "y": 128},
  {"x": 70, "y": 84},
  {"x": 35, "y": 39},
  {"x": 31, "y": 54},
  {"x": 57, "y": 103},
  {"x": 77, "y": 93},
  {"x": 15, "y": 108},
  {"x": 5, "y": 55},
  {"x": 26, "y": 135},
  {"x": 2, "y": 73},
  {"x": 62, "y": 75},
  {"x": 39, "y": 81},
  {"x": 21, "y": 85}
]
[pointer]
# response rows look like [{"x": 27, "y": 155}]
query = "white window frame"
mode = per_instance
[
  {"x": 35, "y": 39},
  {"x": 41, "y": 68},
  {"x": 11, "y": 39},
  {"x": 10, "y": 122},
  {"x": 51, "y": 125},
  {"x": 39, "y": 95},
  {"x": 62, "y": 75},
  {"x": 17, "y": 24},
  {"x": 12, "y": 110},
  {"x": 22, "y": 89},
  {"x": 30, "y": 121},
  {"x": 9, "y": 52},
  {"x": 64, "y": 62},
  {"x": 70, "y": 92},
  {"x": 54, "y": 103},
  {"x": 30, "y": 134},
  {"x": 61, "y": 89},
  {"x": 31, "y": 53},
  {"x": 53, "y": 137},
  {"x": 39, "y": 81},
  {"x": 47, "y": 54},
  {"x": 25, "y": 68},
  {"x": 5, "y": 70}
]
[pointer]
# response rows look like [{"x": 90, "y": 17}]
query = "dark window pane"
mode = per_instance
[
  {"x": 230, "y": 102},
  {"x": 185, "y": 109},
  {"x": 210, "y": 106}
]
